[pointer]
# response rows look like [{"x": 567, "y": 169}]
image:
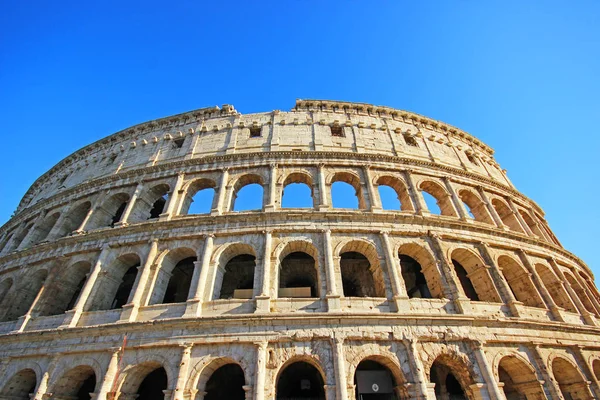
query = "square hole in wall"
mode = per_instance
[{"x": 255, "y": 131}]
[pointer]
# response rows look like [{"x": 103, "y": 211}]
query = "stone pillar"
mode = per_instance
[
  {"x": 55, "y": 229},
  {"x": 178, "y": 392},
  {"x": 486, "y": 370},
  {"x": 40, "y": 393},
  {"x": 220, "y": 209},
  {"x": 587, "y": 316},
  {"x": 491, "y": 210},
  {"x": 594, "y": 385},
  {"x": 340, "y": 367},
  {"x": 592, "y": 299},
  {"x": 330, "y": 392},
  {"x": 272, "y": 201},
  {"x": 72, "y": 316},
  {"x": 333, "y": 298},
  {"x": 415, "y": 194},
  {"x": 400, "y": 297},
  {"x": 130, "y": 204},
  {"x": 263, "y": 301},
  {"x": 174, "y": 197},
  {"x": 549, "y": 382},
  {"x": 199, "y": 278},
  {"x": 93, "y": 208},
  {"x": 261, "y": 370},
  {"x": 27, "y": 239},
  {"x": 374, "y": 198},
  {"x": 519, "y": 218},
  {"x": 109, "y": 376},
  {"x": 323, "y": 204},
  {"x": 500, "y": 282},
  {"x": 417, "y": 368},
  {"x": 130, "y": 310},
  {"x": 458, "y": 204}
]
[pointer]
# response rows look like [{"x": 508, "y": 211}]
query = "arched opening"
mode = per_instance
[
  {"x": 427, "y": 265},
  {"x": 21, "y": 386},
  {"x": 448, "y": 384},
  {"x": 476, "y": 206},
  {"x": 520, "y": 282},
  {"x": 227, "y": 382},
  {"x": 581, "y": 293},
  {"x": 113, "y": 289},
  {"x": 63, "y": 292},
  {"x": 507, "y": 216},
  {"x": 570, "y": 381},
  {"x": 393, "y": 194},
  {"x": 43, "y": 229},
  {"x": 300, "y": 381},
  {"x": 474, "y": 277},
  {"x": 153, "y": 385},
  {"x": 298, "y": 276},
  {"x": 519, "y": 379},
  {"x": 237, "y": 278},
  {"x": 358, "y": 278},
  {"x": 374, "y": 381},
  {"x": 109, "y": 213},
  {"x": 555, "y": 288},
  {"x": 4, "y": 289},
  {"x": 346, "y": 191},
  {"x": 75, "y": 218},
  {"x": 77, "y": 383},
  {"x": 596, "y": 369},
  {"x": 199, "y": 198},
  {"x": 248, "y": 193},
  {"x": 19, "y": 238},
  {"x": 297, "y": 191},
  {"x": 124, "y": 289},
  {"x": 174, "y": 276},
  {"x": 29, "y": 290},
  {"x": 533, "y": 227},
  {"x": 414, "y": 280},
  {"x": 5, "y": 241},
  {"x": 150, "y": 204},
  {"x": 442, "y": 199}
]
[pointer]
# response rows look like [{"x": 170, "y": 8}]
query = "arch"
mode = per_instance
[
  {"x": 385, "y": 374},
  {"x": 298, "y": 268},
  {"x": 476, "y": 205},
  {"x": 298, "y": 191},
  {"x": 533, "y": 227},
  {"x": 474, "y": 276},
  {"x": 414, "y": 279},
  {"x": 19, "y": 238},
  {"x": 76, "y": 383},
  {"x": 114, "y": 289},
  {"x": 5, "y": 287},
  {"x": 235, "y": 272},
  {"x": 519, "y": 282},
  {"x": 361, "y": 271},
  {"x": 195, "y": 189},
  {"x": 150, "y": 204},
  {"x": 109, "y": 213},
  {"x": 351, "y": 179},
  {"x": 452, "y": 378},
  {"x": 427, "y": 264},
  {"x": 398, "y": 186},
  {"x": 580, "y": 292},
  {"x": 174, "y": 276},
  {"x": 519, "y": 379},
  {"x": 63, "y": 292},
  {"x": 507, "y": 216},
  {"x": 591, "y": 289},
  {"x": 555, "y": 288},
  {"x": 440, "y": 195},
  {"x": 226, "y": 382},
  {"x": 300, "y": 378},
  {"x": 596, "y": 368},
  {"x": 28, "y": 291},
  {"x": 42, "y": 231},
  {"x": 74, "y": 219},
  {"x": 242, "y": 182},
  {"x": 147, "y": 380},
  {"x": 570, "y": 380},
  {"x": 21, "y": 386}
]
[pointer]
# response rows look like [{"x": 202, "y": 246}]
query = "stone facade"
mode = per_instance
[{"x": 109, "y": 288}]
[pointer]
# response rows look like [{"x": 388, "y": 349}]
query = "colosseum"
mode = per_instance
[{"x": 114, "y": 285}]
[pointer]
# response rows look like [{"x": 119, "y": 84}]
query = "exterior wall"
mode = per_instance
[{"x": 63, "y": 260}]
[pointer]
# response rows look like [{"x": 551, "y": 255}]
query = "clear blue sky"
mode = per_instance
[{"x": 521, "y": 76}]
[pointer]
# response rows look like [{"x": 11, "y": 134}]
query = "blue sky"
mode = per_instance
[{"x": 521, "y": 76}]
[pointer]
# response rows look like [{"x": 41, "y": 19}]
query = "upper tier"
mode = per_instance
[{"x": 312, "y": 125}]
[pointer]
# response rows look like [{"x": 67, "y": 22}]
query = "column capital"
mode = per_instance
[
  {"x": 209, "y": 235},
  {"x": 153, "y": 241},
  {"x": 328, "y": 231},
  {"x": 384, "y": 233},
  {"x": 261, "y": 345}
]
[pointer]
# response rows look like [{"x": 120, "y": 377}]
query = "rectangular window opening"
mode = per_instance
[
  {"x": 337, "y": 130},
  {"x": 472, "y": 158},
  {"x": 255, "y": 131},
  {"x": 178, "y": 143},
  {"x": 411, "y": 141}
]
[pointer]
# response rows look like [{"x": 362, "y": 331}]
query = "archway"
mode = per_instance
[
  {"x": 507, "y": 216},
  {"x": 519, "y": 379},
  {"x": 298, "y": 276},
  {"x": 298, "y": 191},
  {"x": 153, "y": 385},
  {"x": 77, "y": 384},
  {"x": 109, "y": 213},
  {"x": 300, "y": 381},
  {"x": 375, "y": 381},
  {"x": 42, "y": 231},
  {"x": 151, "y": 204},
  {"x": 357, "y": 276},
  {"x": 596, "y": 369},
  {"x": 226, "y": 382},
  {"x": 237, "y": 278},
  {"x": 21, "y": 386},
  {"x": 116, "y": 285},
  {"x": 414, "y": 280},
  {"x": 199, "y": 197},
  {"x": 179, "y": 284},
  {"x": 346, "y": 191},
  {"x": 449, "y": 384},
  {"x": 555, "y": 288},
  {"x": 474, "y": 277},
  {"x": 174, "y": 276},
  {"x": 519, "y": 282},
  {"x": 74, "y": 219},
  {"x": 393, "y": 194},
  {"x": 248, "y": 193},
  {"x": 570, "y": 381},
  {"x": 63, "y": 292},
  {"x": 442, "y": 198},
  {"x": 477, "y": 207},
  {"x": 29, "y": 290}
]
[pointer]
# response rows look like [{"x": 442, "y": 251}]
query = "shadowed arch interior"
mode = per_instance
[
  {"x": 30, "y": 288},
  {"x": 570, "y": 380},
  {"x": 150, "y": 204},
  {"x": 555, "y": 288},
  {"x": 226, "y": 382},
  {"x": 520, "y": 283},
  {"x": 474, "y": 277},
  {"x": 74, "y": 219},
  {"x": 43, "y": 230},
  {"x": 451, "y": 378},
  {"x": 63, "y": 292},
  {"x": 109, "y": 213},
  {"x": 476, "y": 206},
  {"x": 300, "y": 381},
  {"x": 427, "y": 264},
  {"x": 174, "y": 276},
  {"x": 20, "y": 386},
  {"x": 298, "y": 276},
  {"x": 507, "y": 216},
  {"x": 77, "y": 383},
  {"x": 114, "y": 288},
  {"x": 519, "y": 379},
  {"x": 235, "y": 272},
  {"x": 377, "y": 378}
]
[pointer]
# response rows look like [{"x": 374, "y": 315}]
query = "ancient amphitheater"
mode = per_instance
[{"x": 111, "y": 289}]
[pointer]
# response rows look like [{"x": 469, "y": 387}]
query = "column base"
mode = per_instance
[
  {"x": 214, "y": 212},
  {"x": 333, "y": 302},
  {"x": 513, "y": 306},
  {"x": 71, "y": 319},
  {"x": 323, "y": 208},
  {"x": 376, "y": 209},
  {"x": 269, "y": 208},
  {"x": 589, "y": 319},
  {"x": 120, "y": 224},
  {"x": 193, "y": 308},
  {"x": 128, "y": 313},
  {"x": 164, "y": 217},
  {"x": 263, "y": 304},
  {"x": 463, "y": 305},
  {"x": 556, "y": 313},
  {"x": 401, "y": 303}
]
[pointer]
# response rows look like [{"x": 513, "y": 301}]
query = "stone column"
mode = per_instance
[
  {"x": 323, "y": 204},
  {"x": 400, "y": 297},
  {"x": 333, "y": 298},
  {"x": 549, "y": 382},
  {"x": 55, "y": 229},
  {"x": 220, "y": 209},
  {"x": 27, "y": 239},
  {"x": 340, "y": 367},
  {"x": 519, "y": 218},
  {"x": 272, "y": 202},
  {"x": 178, "y": 392},
  {"x": 127, "y": 212},
  {"x": 109, "y": 376},
  {"x": 587, "y": 316},
  {"x": 592, "y": 299},
  {"x": 174, "y": 197},
  {"x": 72, "y": 316},
  {"x": 93, "y": 209},
  {"x": 40, "y": 393},
  {"x": 417, "y": 368},
  {"x": 261, "y": 370},
  {"x": 456, "y": 201},
  {"x": 491, "y": 210},
  {"x": 263, "y": 301},
  {"x": 130, "y": 310},
  {"x": 500, "y": 282},
  {"x": 199, "y": 278},
  {"x": 415, "y": 194},
  {"x": 374, "y": 198},
  {"x": 23, "y": 320},
  {"x": 594, "y": 385},
  {"x": 486, "y": 371}
]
